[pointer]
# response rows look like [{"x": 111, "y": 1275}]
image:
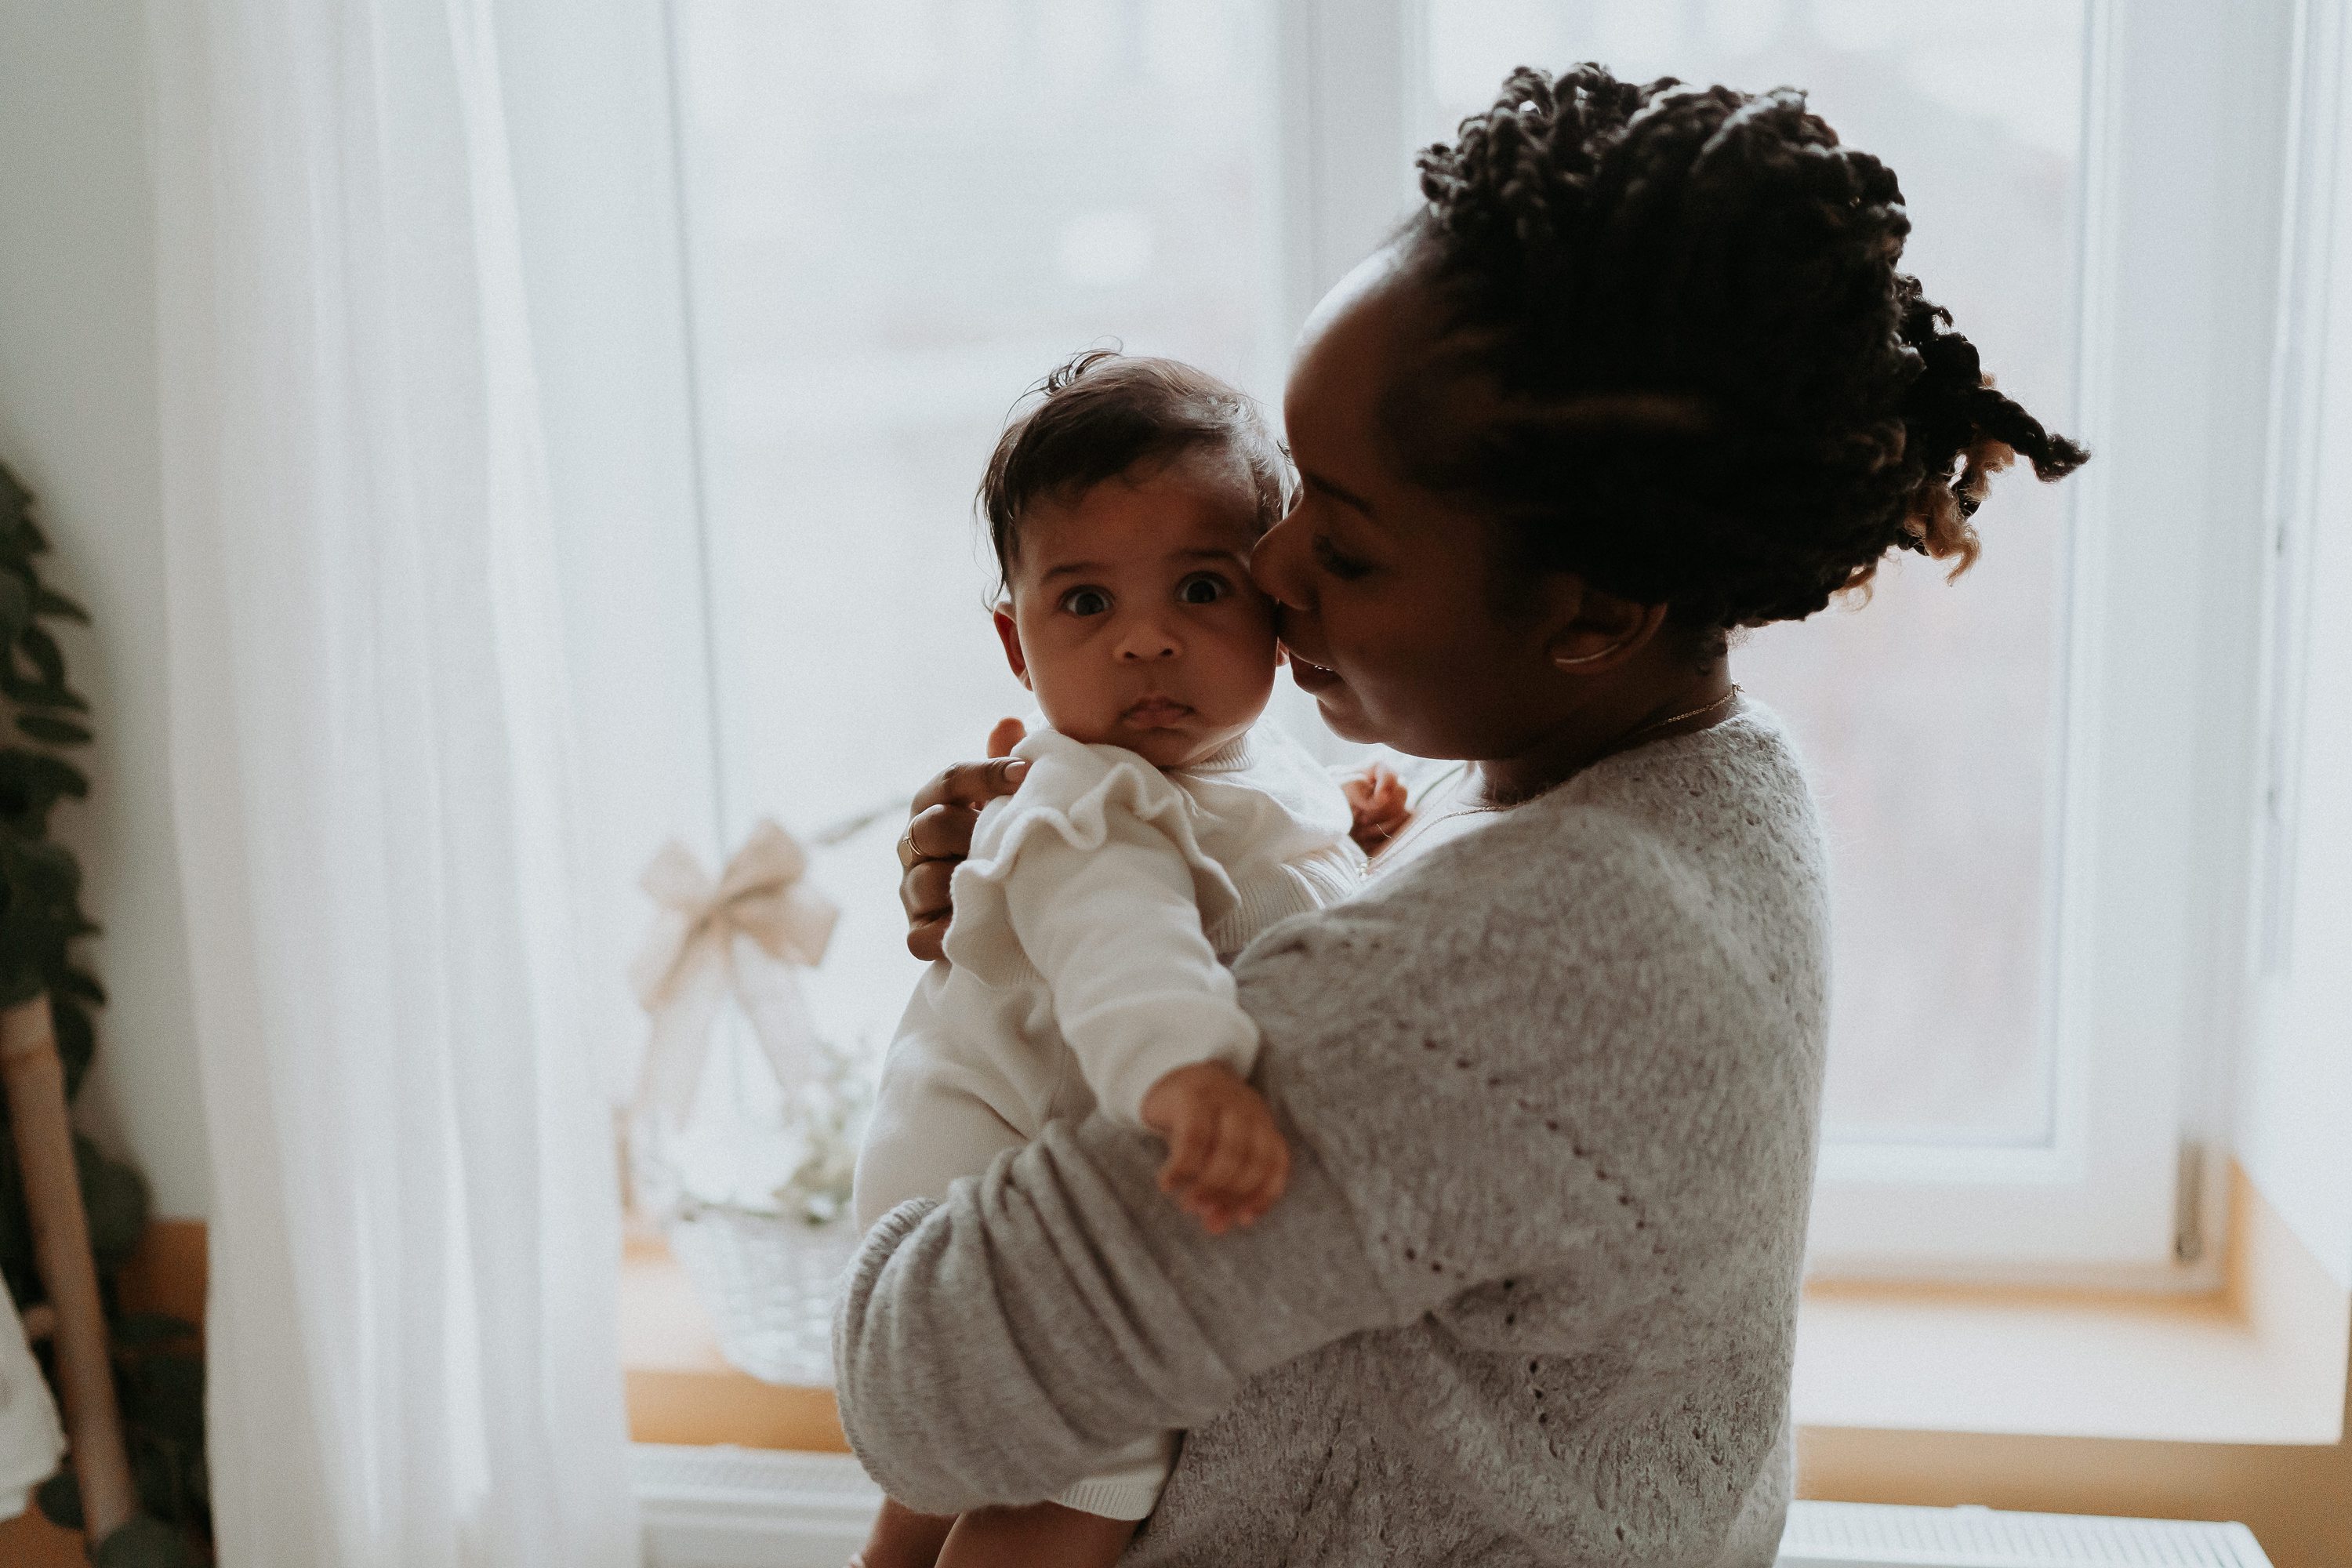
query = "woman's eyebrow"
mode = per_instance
[{"x": 1344, "y": 496}]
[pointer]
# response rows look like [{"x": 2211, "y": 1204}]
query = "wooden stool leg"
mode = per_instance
[{"x": 35, "y": 1081}]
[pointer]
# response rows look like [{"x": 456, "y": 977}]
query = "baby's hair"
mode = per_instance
[
  {"x": 1102, "y": 414},
  {"x": 1679, "y": 359}
]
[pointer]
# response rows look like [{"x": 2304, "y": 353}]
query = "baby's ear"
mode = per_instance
[{"x": 1008, "y": 631}]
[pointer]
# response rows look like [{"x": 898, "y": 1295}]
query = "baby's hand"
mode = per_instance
[
  {"x": 1226, "y": 1160},
  {"x": 1377, "y": 798}
]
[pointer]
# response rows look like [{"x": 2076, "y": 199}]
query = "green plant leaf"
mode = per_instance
[
  {"x": 31, "y": 784},
  {"x": 134, "y": 1329},
  {"x": 55, "y": 730},
  {"x": 38, "y": 694},
  {"x": 38, "y": 645},
  {"x": 15, "y": 607},
  {"x": 49, "y": 602},
  {"x": 77, "y": 1040},
  {"x": 15, "y": 500},
  {"x": 154, "y": 1475},
  {"x": 115, "y": 1198},
  {"x": 144, "y": 1543},
  {"x": 77, "y": 982},
  {"x": 20, "y": 982},
  {"x": 61, "y": 1499},
  {"x": 163, "y": 1392}
]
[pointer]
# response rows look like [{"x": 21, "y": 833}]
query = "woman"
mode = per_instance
[{"x": 1642, "y": 372}]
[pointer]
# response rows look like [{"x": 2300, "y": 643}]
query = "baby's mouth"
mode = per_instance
[{"x": 1156, "y": 710}]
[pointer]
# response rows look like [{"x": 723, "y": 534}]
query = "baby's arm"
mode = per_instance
[
  {"x": 1226, "y": 1159},
  {"x": 1149, "y": 1012}
]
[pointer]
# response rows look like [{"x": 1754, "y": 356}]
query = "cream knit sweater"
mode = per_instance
[
  {"x": 1085, "y": 959},
  {"x": 1553, "y": 1091}
]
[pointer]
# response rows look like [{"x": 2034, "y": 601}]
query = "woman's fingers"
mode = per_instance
[
  {"x": 937, "y": 833},
  {"x": 926, "y": 939},
  {"x": 972, "y": 783},
  {"x": 939, "y": 836}
]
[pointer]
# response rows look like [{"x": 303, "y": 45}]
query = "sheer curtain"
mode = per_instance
[{"x": 415, "y": 1241}]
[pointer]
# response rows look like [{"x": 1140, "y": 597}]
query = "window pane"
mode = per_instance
[
  {"x": 900, "y": 214},
  {"x": 1930, "y": 716}
]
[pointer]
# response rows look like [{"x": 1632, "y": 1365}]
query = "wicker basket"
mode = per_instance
[{"x": 769, "y": 1282}]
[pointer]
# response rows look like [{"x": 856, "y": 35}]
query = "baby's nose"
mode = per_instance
[{"x": 1149, "y": 638}]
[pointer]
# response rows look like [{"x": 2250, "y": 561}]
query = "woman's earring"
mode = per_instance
[{"x": 1570, "y": 661}]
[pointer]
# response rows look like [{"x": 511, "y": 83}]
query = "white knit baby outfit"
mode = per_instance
[{"x": 1086, "y": 961}]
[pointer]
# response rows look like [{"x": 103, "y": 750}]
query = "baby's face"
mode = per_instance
[{"x": 1133, "y": 617}]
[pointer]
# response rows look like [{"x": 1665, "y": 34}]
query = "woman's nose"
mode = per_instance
[{"x": 1276, "y": 566}]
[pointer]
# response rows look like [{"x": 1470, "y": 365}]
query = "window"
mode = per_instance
[
  {"x": 2038, "y": 783},
  {"x": 1932, "y": 720},
  {"x": 899, "y": 216}
]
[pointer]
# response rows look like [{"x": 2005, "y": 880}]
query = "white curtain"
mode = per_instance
[{"x": 415, "y": 1241}]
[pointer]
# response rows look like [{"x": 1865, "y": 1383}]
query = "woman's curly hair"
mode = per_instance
[{"x": 1679, "y": 358}]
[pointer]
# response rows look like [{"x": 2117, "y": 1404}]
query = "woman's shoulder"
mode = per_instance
[
  {"x": 1689, "y": 846},
  {"x": 1738, "y": 786}
]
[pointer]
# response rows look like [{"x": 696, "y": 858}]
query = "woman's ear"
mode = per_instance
[
  {"x": 1593, "y": 630},
  {"x": 1008, "y": 631}
]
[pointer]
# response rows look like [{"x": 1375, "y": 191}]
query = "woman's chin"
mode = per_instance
[{"x": 1342, "y": 714}]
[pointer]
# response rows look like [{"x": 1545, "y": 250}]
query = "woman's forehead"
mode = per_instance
[{"x": 1350, "y": 351}]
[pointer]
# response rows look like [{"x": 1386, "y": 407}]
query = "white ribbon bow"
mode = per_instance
[{"x": 696, "y": 957}]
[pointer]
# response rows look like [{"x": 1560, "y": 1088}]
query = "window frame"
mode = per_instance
[{"x": 2158, "y": 792}]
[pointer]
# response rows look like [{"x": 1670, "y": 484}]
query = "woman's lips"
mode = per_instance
[{"x": 1310, "y": 676}]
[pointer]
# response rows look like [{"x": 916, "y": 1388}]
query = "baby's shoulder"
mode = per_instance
[{"x": 1069, "y": 779}]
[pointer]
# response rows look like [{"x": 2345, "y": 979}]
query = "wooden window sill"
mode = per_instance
[{"x": 2263, "y": 1363}]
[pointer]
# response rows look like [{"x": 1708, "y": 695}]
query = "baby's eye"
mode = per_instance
[
  {"x": 1329, "y": 556},
  {"x": 1202, "y": 588},
  {"x": 1085, "y": 602}
]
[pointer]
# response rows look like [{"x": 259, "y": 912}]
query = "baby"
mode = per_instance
[{"x": 1156, "y": 832}]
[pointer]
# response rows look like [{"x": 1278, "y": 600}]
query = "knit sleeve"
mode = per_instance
[{"x": 997, "y": 1346}]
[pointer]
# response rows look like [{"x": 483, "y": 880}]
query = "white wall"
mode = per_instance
[{"x": 77, "y": 424}]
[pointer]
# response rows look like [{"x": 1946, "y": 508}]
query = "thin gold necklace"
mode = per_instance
[
  {"x": 1725, "y": 700},
  {"x": 1625, "y": 743},
  {"x": 1420, "y": 826}
]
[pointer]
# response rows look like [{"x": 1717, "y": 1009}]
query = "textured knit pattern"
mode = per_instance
[{"x": 1553, "y": 1090}]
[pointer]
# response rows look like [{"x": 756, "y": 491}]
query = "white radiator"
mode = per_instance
[
  {"x": 744, "y": 1508},
  {"x": 1867, "y": 1535}
]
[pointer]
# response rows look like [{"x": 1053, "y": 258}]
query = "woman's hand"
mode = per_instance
[
  {"x": 939, "y": 834},
  {"x": 1377, "y": 798},
  {"x": 1226, "y": 1160}
]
